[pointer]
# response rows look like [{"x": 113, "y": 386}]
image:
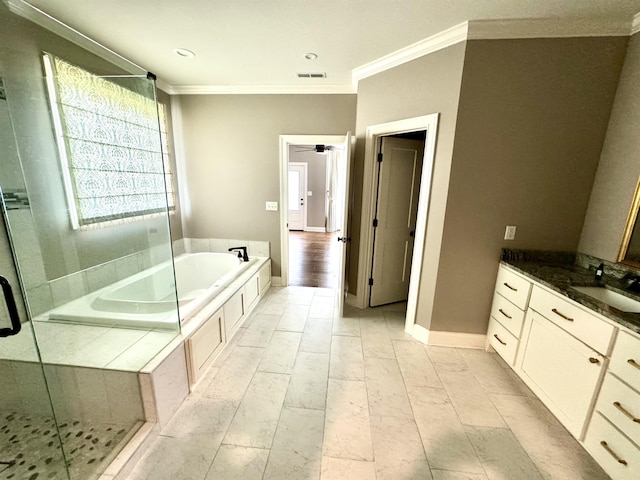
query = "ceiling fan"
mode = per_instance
[{"x": 314, "y": 148}]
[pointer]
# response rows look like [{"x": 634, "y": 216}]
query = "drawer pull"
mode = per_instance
[
  {"x": 606, "y": 446},
  {"x": 510, "y": 287},
  {"x": 568, "y": 319},
  {"x": 633, "y": 363},
  {"x": 625, "y": 412},
  {"x": 594, "y": 360},
  {"x": 498, "y": 338},
  {"x": 506, "y": 315}
]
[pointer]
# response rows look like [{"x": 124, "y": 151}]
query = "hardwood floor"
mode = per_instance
[{"x": 314, "y": 259}]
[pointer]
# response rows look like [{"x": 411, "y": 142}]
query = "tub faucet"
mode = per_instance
[{"x": 242, "y": 253}]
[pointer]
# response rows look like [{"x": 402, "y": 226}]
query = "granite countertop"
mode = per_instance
[{"x": 559, "y": 273}]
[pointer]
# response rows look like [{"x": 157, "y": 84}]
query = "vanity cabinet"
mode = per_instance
[
  {"x": 613, "y": 437},
  {"x": 510, "y": 300}
]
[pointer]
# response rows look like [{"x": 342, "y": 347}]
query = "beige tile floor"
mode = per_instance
[{"x": 302, "y": 393}]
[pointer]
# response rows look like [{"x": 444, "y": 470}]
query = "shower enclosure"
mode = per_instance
[{"x": 70, "y": 397}]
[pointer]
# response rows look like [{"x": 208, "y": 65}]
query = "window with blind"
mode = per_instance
[{"x": 113, "y": 145}]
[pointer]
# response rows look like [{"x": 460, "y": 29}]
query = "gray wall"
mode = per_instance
[
  {"x": 619, "y": 166},
  {"x": 531, "y": 125},
  {"x": 430, "y": 84},
  {"x": 316, "y": 183},
  {"x": 231, "y": 145},
  {"x": 65, "y": 250}
]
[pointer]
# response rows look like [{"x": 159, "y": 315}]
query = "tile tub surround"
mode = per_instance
[
  {"x": 255, "y": 248},
  {"x": 559, "y": 271},
  {"x": 470, "y": 417}
]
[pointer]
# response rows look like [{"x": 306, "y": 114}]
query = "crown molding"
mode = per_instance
[
  {"x": 260, "y": 89},
  {"x": 545, "y": 28},
  {"x": 635, "y": 24},
  {"x": 439, "y": 41}
]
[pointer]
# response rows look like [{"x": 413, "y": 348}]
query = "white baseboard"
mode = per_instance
[
  {"x": 276, "y": 281},
  {"x": 315, "y": 229},
  {"x": 352, "y": 300},
  {"x": 420, "y": 333},
  {"x": 457, "y": 339}
]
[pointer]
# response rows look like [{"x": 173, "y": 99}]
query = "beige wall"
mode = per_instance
[
  {"x": 619, "y": 166},
  {"x": 316, "y": 183},
  {"x": 430, "y": 84},
  {"x": 531, "y": 124},
  {"x": 231, "y": 147},
  {"x": 65, "y": 250}
]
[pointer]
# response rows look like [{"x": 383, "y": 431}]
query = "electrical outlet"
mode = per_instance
[
  {"x": 510, "y": 232},
  {"x": 272, "y": 206}
]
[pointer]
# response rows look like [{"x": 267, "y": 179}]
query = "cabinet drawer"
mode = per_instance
[
  {"x": 610, "y": 449},
  {"x": 202, "y": 344},
  {"x": 625, "y": 359},
  {"x": 564, "y": 369},
  {"x": 510, "y": 316},
  {"x": 513, "y": 287},
  {"x": 233, "y": 312},
  {"x": 502, "y": 341},
  {"x": 621, "y": 405},
  {"x": 580, "y": 323}
]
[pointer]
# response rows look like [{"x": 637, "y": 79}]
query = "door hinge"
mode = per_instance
[
  {"x": 380, "y": 157},
  {"x": 371, "y": 281},
  {"x": 375, "y": 222}
]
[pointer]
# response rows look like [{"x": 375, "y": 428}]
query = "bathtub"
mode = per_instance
[{"x": 148, "y": 298}]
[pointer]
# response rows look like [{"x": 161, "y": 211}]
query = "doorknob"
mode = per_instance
[
  {"x": 344, "y": 239},
  {"x": 11, "y": 309},
  {"x": 412, "y": 233}
]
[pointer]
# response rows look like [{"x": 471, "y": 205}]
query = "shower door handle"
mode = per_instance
[{"x": 11, "y": 309}]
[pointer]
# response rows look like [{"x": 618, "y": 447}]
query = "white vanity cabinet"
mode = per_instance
[
  {"x": 613, "y": 437},
  {"x": 510, "y": 300}
]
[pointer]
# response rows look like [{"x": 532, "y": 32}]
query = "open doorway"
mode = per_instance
[{"x": 313, "y": 195}]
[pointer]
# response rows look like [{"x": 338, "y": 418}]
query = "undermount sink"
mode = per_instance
[{"x": 616, "y": 300}]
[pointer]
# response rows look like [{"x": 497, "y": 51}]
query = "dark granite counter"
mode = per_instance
[{"x": 559, "y": 272}]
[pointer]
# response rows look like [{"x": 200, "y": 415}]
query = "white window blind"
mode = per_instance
[{"x": 113, "y": 146}]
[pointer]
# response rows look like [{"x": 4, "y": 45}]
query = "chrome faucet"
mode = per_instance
[{"x": 242, "y": 253}]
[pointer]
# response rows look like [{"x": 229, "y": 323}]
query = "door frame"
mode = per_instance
[
  {"x": 365, "y": 256},
  {"x": 303, "y": 187},
  {"x": 285, "y": 142}
]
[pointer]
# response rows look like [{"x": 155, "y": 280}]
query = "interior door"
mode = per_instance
[
  {"x": 343, "y": 282},
  {"x": 297, "y": 189},
  {"x": 399, "y": 174}
]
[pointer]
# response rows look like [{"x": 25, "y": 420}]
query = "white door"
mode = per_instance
[
  {"x": 297, "y": 185},
  {"x": 396, "y": 211},
  {"x": 345, "y": 167}
]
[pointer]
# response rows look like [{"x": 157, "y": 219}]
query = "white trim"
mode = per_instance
[
  {"x": 352, "y": 300},
  {"x": 315, "y": 229},
  {"x": 457, "y": 339},
  {"x": 261, "y": 89},
  {"x": 545, "y": 28},
  {"x": 431, "y": 44},
  {"x": 285, "y": 141},
  {"x": 276, "y": 281},
  {"x": 635, "y": 24},
  {"x": 419, "y": 333}
]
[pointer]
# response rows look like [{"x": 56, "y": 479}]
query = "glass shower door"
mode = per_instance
[{"x": 30, "y": 441}]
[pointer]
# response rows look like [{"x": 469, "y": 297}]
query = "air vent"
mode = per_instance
[{"x": 312, "y": 75}]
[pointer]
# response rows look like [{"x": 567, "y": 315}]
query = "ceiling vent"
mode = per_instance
[{"x": 312, "y": 75}]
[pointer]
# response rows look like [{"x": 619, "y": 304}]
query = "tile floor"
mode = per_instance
[{"x": 302, "y": 393}]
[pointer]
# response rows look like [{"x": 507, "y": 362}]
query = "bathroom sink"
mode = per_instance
[{"x": 616, "y": 300}]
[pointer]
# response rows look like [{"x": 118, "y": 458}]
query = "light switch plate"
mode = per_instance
[
  {"x": 510, "y": 232},
  {"x": 309, "y": 193},
  {"x": 272, "y": 206}
]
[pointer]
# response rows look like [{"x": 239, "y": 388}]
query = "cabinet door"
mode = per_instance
[{"x": 563, "y": 371}]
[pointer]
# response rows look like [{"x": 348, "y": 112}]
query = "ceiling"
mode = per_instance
[{"x": 257, "y": 43}]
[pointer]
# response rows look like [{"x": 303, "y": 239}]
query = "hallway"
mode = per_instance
[
  {"x": 302, "y": 393},
  {"x": 314, "y": 259}
]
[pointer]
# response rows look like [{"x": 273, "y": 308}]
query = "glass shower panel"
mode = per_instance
[
  {"x": 98, "y": 281},
  {"x": 30, "y": 443}
]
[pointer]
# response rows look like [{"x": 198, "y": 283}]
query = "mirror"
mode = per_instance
[{"x": 630, "y": 249}]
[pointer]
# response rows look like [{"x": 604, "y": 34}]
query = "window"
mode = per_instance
[{"x": 113, "y": 145}]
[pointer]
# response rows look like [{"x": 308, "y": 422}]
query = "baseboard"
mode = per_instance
[
  {"x": 276, "y": 281},
  {"x": 352, "y": 300},
  {"x": 316, "y": 229},
  {"x": 457, "y": 339},
  {"x": 420, "y": 333}
]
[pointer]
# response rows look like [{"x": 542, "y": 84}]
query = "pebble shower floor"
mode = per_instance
[{"x": 30, "y": 450}]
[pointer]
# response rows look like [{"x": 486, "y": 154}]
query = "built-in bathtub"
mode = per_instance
[{"x": 148, "y": 299}]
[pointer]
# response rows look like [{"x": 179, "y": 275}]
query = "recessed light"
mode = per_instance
[
  {"x": 184, "y": 53},
  {"x": 310, "y": 56}
]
